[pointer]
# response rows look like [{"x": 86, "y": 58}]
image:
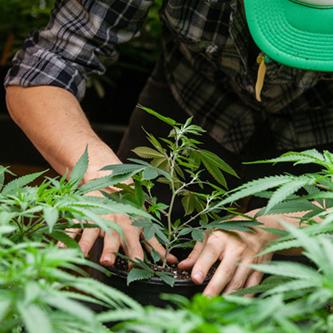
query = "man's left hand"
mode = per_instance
[{"x": 235, "y": 251}]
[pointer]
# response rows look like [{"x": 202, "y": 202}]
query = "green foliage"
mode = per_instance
[
  {"x": 44, "y": 288},
  {"x": 19, "y": 18},
  {"x": 194, "y": 177},
  {"x": 56, "y": 204},
  {"x": 294, "y": 299},
  {"x": 143, "y": 271},
  {"x": 37, "y": 280},
  {"x": 137, "y": 274}
]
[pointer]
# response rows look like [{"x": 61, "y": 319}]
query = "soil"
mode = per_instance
[{"x": 181, "y": 275}]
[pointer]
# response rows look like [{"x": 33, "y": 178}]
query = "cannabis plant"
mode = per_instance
[
  {"x": 195, "y": 178},
  {"x": 45, "y": 211},
  {"x": 44, "y": 288},
  {"x": 296, "y": 298}
]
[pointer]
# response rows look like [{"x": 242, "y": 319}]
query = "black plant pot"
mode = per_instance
[{"x": 148, "y": 292}]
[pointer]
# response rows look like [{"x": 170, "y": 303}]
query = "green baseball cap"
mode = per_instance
[{"x": 296, "y": 33}]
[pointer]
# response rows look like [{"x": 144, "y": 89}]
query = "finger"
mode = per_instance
[
  {"x": 156, "y": 245},
  {"x": 88, "y": 239},
  {"x": 254, "y": 279},
  {"x": 132, "y": 245},
  {"x": 189, "y": 262},
  {"x": 222, "y": 276},
  {"x": 240, "y": 277},
  {"x": 110, "y": 249},
  {"x": 72, "y": 233},
  {"x": 209, "y": 255}
]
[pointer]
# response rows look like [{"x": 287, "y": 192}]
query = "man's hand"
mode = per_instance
[
  {"x": 112, "y": 241},
  {"x": 130, "y": 242},
  {"x": 236, "y": 251}
]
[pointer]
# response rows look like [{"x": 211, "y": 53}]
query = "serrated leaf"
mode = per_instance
[
  {"x": 314, "y": 153},
  {"x": 3, "y": 171},
  {"x": 188, "y": 203},
  {"x": 218, "y": 162},
  {"x": 150, "y": 173},
  {"x": 167, "y": 278},
  {"x": 155, "y": 256},
  {"x": 233, "y": 225},
  {"x": 139, "y": 195},
  {"x": 137, "y": 274},
  {"x": 288, "y": 269},
  {"x": 20, "y": 182},
  {"x": 124, "y": 168},
  {"x": 185, "y": 232},
  {"x": 291, "y": 286},
  {"x": 154, "y": 141},
  {"x": 103, "y": 183},
  {"x": 269, "y": 283},
  {"x": 290, "y": 206},
  {"x": 305, "y": 157},
  {"x": 51, "y": 216},
  {"x": 59, "y": 301},
  {"x": 119, "y": 315},
  {"x": 113, "y": 207},
  {"x": 147, "y": 152},
  {"x": 80, "y": 168},
  {"x": 35, "y": 319},
  {"x": 215, "y": 173},
  {"x": 255, "y": 186},
  {"x": 161, "y": 163},
  {"x": 65, "y": 239},
  {"x": 149, "y": 231},
  {"x": 141, "y": 223},
  {"x": 198, "y": 235},
  {"x": 308, "y": 243},
  {"x": 161, "y": 236},
  {"x": 285, "y": 191},
  {"x": 281, "y": 246},
  {"x": 166, "y": 120},
  {"x": 101, "y": 222}
]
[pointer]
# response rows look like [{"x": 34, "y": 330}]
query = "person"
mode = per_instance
[{"x": 255, "y": 74}]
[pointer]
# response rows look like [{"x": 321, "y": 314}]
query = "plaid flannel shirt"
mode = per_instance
[{"x": 209, "y": 60}]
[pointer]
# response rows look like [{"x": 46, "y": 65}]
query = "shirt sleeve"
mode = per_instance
[{"x": 79, "y": 34}]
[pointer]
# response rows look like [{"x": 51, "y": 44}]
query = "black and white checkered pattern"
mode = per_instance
[{"x": 209, "y": 60}]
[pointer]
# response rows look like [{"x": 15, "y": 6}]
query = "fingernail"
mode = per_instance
[
  {"x": 183, "y": 262},
  {"x": 106, "y": 262},
  {"x": 198, "y": 277},
  {"x": 172, "y": 259}
]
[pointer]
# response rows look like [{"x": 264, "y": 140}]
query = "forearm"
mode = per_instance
[{"x": 53, "y": 120}]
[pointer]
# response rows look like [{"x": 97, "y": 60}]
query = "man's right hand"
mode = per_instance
[
  {"x": 53, "y": 120},
  {"x": 112, "y": 242}
]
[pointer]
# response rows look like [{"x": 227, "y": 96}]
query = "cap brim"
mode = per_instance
[{"x": 274, "y": 26}]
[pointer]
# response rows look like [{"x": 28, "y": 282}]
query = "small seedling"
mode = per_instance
[{"x": 194, "y": 176}]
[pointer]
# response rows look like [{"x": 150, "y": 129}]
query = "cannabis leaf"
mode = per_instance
[
  {"x": 80, "y": 168},
  {"x": 137, "y": 274},
  {"x": 20, "y": 182},
  {"x": 286, "y": 190}
]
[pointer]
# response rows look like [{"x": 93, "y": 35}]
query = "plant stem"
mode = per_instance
[{"x": 173, "y": 158}]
